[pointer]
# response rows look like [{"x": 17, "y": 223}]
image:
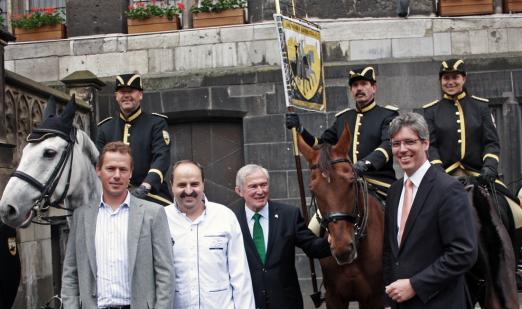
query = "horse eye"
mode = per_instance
[{"x": 49, "y": 153}]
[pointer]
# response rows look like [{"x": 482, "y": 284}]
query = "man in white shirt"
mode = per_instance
[
  {"x": 119, "y": 253},
  {"x": 210, "y": 260},
  {"x": 429, "y": 233}
]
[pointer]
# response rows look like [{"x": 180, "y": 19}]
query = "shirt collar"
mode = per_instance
[
  {"x": 459, "y": 97},
  {"x": 198, "y": 219},
  {"x": 125, "y": 203},
  {"x": 416, "y": 178},
  {"x": 366, "y": 108},
  {"x": 132, "y": 117},
  {"x": 263, "y": 212}
]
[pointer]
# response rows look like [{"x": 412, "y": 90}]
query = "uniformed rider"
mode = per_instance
[
  {"x": 463, "y": 136},
  {"x": 368, "y": 122},
  {"x": 147, "y": 135}
]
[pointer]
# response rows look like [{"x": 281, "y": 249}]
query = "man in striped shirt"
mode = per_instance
[{"x": 119, "y": 253}]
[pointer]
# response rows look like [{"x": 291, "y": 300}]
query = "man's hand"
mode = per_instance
[
  {"x": 400, "y": 290},
  {"x": 361, "y": 167},
  {"x": 141, "y": 191},
  {"x": 292, "y": 121},
  {"x": 487, "y": 175}
]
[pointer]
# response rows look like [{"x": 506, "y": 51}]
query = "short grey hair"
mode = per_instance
[
  {"x": 414, "y": 121},
  {"x": 247, "y": 170}
]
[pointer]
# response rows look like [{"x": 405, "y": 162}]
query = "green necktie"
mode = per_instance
[{"x": 259, "y": 238}]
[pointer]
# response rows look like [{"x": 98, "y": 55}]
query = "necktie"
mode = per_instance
[
  {"x": 259, "y": 238},
  {"x": 406, "y": 207}
]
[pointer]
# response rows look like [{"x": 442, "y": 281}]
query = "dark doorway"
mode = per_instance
[{"x": 218, "y": 146}]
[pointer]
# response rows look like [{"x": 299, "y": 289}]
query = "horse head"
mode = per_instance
[
  {"x": 333, "y": 182},
  {"x": 44, "y": 176}
]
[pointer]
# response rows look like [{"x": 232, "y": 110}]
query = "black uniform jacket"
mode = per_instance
[
  {"x": 275, "y": 282},
  {"x": 462, "y": 133},
  {"x": 438, "y": 245},
  {"x": 149, "y": 140},
  {"x": 370, "y": 140},
  {"x": 10, "y": 270}
]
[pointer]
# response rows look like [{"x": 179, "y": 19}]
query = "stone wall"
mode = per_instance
[{"x": 260, "y": 10}]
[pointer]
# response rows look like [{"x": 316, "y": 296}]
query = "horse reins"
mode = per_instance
[
  {"x": 360, "y": 221},
  {"x": 46, "y": 190}
]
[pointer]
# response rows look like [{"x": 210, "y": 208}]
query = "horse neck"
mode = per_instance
[{"x": 87, "y": 189}]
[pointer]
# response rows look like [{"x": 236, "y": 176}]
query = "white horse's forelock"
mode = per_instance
[{"x": 84, "y": 187}]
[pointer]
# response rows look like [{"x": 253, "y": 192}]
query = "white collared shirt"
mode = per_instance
[
  {"x": 112, "y": 261},
  {"x": 210, "y": 260},
  {"x": 263, "y": 220},
  {"x": 416, "y": 179}
]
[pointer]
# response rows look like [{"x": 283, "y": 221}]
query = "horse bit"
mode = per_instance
[
  {"x": 359, "y": 220},
  {"x": 43, "y": 202}
]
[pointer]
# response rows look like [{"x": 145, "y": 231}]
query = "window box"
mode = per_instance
[{"x": 216, "y": 19}]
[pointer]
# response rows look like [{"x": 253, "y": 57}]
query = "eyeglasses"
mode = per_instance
[{"x": 406, "y": 142}]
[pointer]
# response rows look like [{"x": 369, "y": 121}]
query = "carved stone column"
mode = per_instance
[
  {"x": 85, "y": 85},
  {"x": 511, "y": 132}
]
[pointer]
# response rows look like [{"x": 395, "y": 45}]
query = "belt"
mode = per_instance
[{"x": 117, "y": 307}]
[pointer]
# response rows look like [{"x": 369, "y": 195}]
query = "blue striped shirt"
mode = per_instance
[{"x": 112, "y": 255}]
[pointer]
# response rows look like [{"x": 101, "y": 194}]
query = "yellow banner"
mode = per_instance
[{"x": 301, "y": 61}]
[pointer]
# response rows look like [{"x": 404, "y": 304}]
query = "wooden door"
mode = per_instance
[{"x": 218, "y": 147}]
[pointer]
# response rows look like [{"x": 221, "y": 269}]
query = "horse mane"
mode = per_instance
[
  {"x": 88, "y": 146},
  {"x": 325, "y": 166}
]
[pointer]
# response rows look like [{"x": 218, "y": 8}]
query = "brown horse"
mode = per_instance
[{"x": 355, "y": 222}]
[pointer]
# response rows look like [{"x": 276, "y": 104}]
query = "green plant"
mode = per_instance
[
  {"x": 38, "y": 17},
  {"x": 141, "y": 10},
  {"x": 216, "y": 6}
]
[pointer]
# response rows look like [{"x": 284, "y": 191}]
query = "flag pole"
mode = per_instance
[{"x": 316, "y": 295}]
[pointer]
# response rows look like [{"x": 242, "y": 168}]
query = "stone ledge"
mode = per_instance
[{"x": 242, "y": 46}]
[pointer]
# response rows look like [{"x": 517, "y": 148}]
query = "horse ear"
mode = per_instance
[
  {"x": 307, "y": 151},
  {"x": 69, "y": 111},
  {"x": 344, "y": 141},
  {"x": 50, "y": 108}
]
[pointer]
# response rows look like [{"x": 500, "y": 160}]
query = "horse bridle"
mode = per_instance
[
  {"x": 359, "y": 215},
  {"x": 43, "y": 202}
]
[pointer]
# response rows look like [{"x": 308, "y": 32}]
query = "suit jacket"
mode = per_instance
[
  {"x": 438, "y": 246},
  {"x": 151, "y": 269},
  {"x": 275, "y": 282}
]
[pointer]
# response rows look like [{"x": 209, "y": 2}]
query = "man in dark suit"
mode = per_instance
[
  {"x": 429, "y": 235},
  {"x": 271, "y": 231}
]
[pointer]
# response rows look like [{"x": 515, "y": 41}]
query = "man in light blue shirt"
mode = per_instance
[{"x": 119, "y": 253}]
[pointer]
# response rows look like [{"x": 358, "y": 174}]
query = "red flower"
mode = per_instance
[{"x": 181, "y": 6}]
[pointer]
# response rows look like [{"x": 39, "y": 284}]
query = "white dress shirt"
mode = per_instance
[
  {"x": 416, "y": 179},
  {"x": 210, "y": 260},
  {"x": 263, "y": 220},
  {"x": 112, "y": 277}
]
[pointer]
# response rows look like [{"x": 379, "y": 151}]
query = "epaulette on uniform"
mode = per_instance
[
  {"x": 430, "y": 104},
  {"x": 480, "y": 99},
  {"x": 391, "y": 107},
  {"x": 342, "y": 112},
  {"x": 160, "y": 115},
  {"x": 104, "y": 121}
]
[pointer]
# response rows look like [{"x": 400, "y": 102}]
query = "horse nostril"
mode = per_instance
[{"x": 11, "y": 211}]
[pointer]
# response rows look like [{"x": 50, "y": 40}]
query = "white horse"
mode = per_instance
[{"x": 57, "y": 166}]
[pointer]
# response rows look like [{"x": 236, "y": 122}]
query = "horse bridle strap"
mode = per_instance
[
  {"x": 337, "y": 216},
  {"x": 333, "y": 162}
]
